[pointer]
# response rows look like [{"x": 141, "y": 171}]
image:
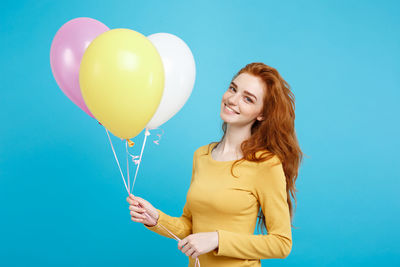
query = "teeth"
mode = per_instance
[{"x": 230, "y": 109}]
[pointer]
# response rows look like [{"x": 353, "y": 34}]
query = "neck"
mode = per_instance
[{"x": 234, "y": 137}]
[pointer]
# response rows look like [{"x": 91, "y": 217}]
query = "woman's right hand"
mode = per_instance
[{"x": 142, "y": 211}]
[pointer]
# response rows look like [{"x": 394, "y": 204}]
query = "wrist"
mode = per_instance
[
  {"x": 217, "y": 240},
  {"x": 155, "y": 220}
]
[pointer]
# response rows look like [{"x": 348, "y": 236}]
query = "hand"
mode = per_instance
[
  {"x": 142, "y": 211},
  {"x": 200, "y": 243}
]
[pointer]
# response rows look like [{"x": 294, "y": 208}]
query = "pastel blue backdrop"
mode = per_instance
[{"x": 62, "y": 198}]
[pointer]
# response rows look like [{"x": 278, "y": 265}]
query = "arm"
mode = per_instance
[
  {"x": 270, "y": 189},
  {"x": 179, "y": 226}
]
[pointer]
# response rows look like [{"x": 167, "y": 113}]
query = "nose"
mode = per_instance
[{"x": 233, "y": 100}]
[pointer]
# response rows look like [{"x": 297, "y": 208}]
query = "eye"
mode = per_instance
[
  {"x": 232, "y": 88},
  {"x": 250, "y": 100}
]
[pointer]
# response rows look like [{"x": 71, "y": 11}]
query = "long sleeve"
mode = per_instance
[
  {"x": 270, "y": 190},
  {"x": 179, "y": 226}
]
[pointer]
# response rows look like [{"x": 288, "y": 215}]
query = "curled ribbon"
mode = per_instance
[
  {"x": 159, "y": 137},
  {"x": 147, "y": 133}
]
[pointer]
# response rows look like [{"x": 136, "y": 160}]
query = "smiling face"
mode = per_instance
[{"x": 242, "y": 103}]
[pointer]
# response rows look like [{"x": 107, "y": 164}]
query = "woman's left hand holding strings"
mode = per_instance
[{"x": 199, "y": 243}]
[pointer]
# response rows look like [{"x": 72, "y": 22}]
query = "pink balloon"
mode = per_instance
[{"x": 68, "y": 46}]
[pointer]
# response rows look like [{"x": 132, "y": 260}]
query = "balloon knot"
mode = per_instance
[{"x": 130, "y": 143}]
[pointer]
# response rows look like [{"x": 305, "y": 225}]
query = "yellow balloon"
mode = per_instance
[{"x": 121, "y": 78}]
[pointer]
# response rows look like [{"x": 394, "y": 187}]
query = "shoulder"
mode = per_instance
[
  {"x": 203, "y": 150},
  {"x": 271, "y": 159},
  {"x": 271, "y": 172},
  {"x": 264, "y": 159}
]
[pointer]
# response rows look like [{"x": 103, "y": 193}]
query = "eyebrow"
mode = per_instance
[{"x": 247, "y": 92}]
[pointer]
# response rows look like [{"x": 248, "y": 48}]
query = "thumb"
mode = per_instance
[
  {"x": 144, "y": 204},
  {"x": 135, "y": 199},
  {"x": 141, "y": 201}
]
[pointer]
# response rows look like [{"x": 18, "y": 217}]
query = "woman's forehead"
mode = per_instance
[{"x": 250, "y": 83}]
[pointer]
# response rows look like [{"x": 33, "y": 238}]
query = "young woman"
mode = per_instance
[{"x": 253, "y": 168}]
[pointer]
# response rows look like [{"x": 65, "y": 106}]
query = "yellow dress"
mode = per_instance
[{"x": 218, "y": 201}]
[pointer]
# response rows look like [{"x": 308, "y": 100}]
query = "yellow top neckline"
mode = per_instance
[{"x": 218, "y": 161}]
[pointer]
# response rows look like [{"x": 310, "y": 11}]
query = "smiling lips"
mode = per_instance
[{"x": 230, "y": 109}]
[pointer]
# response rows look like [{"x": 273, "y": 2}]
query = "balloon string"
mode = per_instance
[
  {"x": 146, "y": 133},
  {"x": 127, "y": 164},
  {"x": 176, "y": 238},
  {"x": 134, "y": 158},
  {"x": 116, "y": 160}
]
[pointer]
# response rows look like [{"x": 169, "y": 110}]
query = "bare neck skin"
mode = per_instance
[{"x": 229, "y": 148}]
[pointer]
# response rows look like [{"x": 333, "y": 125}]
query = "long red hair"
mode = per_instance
[{"x": 276, "y": 133}]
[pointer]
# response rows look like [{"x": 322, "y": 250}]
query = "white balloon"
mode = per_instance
[{"x": 180, "y": 74}]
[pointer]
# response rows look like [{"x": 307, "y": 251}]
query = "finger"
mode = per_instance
[
  {"x": 190, "y": 252},
  {"x": 185, "y": 248},
  {"x": 137, "y": 209},
  {"x": 132, "y": 202},
  {"x": 135, "y": 199},
  {"x": 139, "y": 199},
  {"x": 181, "y": 243},
  {"x": 137, "y": 215},
  {"x": 136, "y": 219}
]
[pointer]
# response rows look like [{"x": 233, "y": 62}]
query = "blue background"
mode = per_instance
[{"x": 61, "y": 194}]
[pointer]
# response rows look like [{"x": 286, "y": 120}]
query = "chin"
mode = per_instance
[{"x": 227, "y": 119}]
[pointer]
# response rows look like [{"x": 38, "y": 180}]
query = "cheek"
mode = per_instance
[
  {"x": 249, "y": 110},
  {"x": 225, "y": 96}
]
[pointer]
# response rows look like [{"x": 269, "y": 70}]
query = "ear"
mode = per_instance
[{"x": 260, "y": 118}]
